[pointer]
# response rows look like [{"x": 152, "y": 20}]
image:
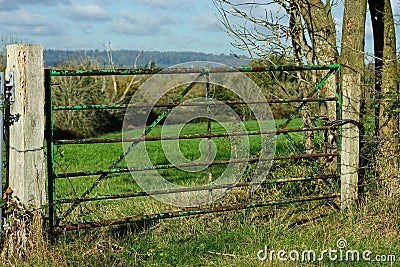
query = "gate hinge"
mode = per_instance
[
  {"x": 2, "y": 86},
  {"x": 7, "y": 86},
  {"x": 10, "y": 86}
]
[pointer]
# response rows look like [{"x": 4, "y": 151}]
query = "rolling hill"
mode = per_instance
[{"x": 126, "y": 58}]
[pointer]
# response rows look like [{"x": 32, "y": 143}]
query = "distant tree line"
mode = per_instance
[{"x": 124, "y": 58}]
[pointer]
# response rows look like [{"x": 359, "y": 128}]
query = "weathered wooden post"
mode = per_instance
[
  {"x": 27, "y": 176},
  {"x": 350, "y": 141}
]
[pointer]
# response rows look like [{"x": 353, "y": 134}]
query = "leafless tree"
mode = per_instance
[{"x": 305, "y": 31}]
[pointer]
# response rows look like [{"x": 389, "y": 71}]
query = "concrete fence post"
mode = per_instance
[
  {"x": 27, "y": 170},
  {"x": 350, "y": 153}
]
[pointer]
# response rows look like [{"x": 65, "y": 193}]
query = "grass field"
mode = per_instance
[
  {"x": 73, "y": 158},
  {"x": 222, "y": 239}
]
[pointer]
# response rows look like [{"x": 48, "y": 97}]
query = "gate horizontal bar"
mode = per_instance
[
  {"x": 179, "y": 70},
  {"x": 189, "y": 136},
  {"x": 191, "y": 212},
  {"x": 170, "y": 105},
  {"x": 172, "y": 166},
  {"x": 197, "y": 188}
]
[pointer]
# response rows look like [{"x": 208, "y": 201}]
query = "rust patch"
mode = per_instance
[
  {"x": 350, "y": 38},
  {"x": 22, "y": 58},
  {"x": 349, "y": 24}
]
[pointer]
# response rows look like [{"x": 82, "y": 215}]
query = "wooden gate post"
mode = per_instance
[{"x": 27, "y": 175}]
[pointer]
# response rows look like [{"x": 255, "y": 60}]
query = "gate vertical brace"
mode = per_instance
[
  {"x": 209, "y": 158},
  {"x": 49, "y": 136},
  {"x": 339, "y": 106},
  {"x": 2, "y": 85}
]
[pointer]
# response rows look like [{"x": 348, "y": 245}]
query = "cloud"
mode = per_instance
[
  {"x": 22, "y": 22},
  {"x": 90, "y": 12},
  {"x": 181, "y": 4},
  {"x": 206, "y": 21},
  {"x": 139, "y": 24},
  {"x": 17, "y": 4}
]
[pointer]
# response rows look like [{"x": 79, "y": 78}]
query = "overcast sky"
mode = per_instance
[{"x": 164, "y": 25}]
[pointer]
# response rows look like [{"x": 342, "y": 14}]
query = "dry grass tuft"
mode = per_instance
[{"x": 24, "y": 236}]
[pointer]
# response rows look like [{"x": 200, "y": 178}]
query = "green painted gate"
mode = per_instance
[{"x": 78, "y": 198}]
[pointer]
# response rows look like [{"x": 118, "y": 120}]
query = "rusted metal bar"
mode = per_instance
[
  {"x": 172, "y": 166},
  {"x": 197, "y": 188},
  {"x": 105, "y": 72},
  {"x": 178, "y": 70},
  {"x": 191, "y": 212},
  {"x": 191, "y": 136},
  {"x": 171, "y": 105}
]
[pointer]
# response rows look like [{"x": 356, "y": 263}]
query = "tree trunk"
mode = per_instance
[
  {"x": 302, "y": 51},
  {"x": 322, "y": 50},
  {"x": 387, "y": 127},
  {"x": 321, "y": 27},
  {"x": 352, "y": 59}
]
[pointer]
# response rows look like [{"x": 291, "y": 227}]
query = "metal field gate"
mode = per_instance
[{"x": 92, "y": 182}]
